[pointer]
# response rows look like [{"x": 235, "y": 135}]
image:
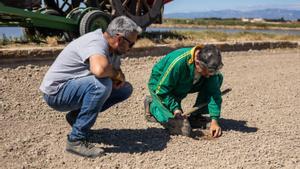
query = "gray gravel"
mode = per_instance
[{"x": 260, "y": 119}]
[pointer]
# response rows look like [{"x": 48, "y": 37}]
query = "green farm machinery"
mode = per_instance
[{"x": 73, "y": 18}]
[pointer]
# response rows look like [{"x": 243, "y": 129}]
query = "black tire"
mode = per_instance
[
  {"x": 145, "y": 17},
  {"x": 93, "y": 20}
]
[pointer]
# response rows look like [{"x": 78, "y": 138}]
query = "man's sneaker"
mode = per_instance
[
  {"x": 148, "y": 115},
  {"x": 71, "y": 117},
  {"x": 84, "y": 148},
  {"x": 199, "y": 121}
]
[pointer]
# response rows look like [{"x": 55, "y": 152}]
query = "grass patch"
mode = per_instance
[{"x": 184, "y": 38}]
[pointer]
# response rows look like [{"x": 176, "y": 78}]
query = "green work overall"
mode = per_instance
[{"x": 172, "y": 79}]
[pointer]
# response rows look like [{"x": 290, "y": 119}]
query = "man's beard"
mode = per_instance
[{"x": 119, "y": 52}]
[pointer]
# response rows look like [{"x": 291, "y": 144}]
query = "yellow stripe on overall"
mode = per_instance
[{"x": 170, "y": 68}]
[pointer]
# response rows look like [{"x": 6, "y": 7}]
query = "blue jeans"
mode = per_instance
[{"x": 86, "y": 97}]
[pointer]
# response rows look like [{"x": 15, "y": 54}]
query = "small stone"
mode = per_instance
[{"x": 20, "y": 67}]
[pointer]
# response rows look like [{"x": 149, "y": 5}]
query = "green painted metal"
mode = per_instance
[{"x": 28, "y": 18}]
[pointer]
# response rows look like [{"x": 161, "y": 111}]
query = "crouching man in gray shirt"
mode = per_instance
[{"x": 86, "y": 79}]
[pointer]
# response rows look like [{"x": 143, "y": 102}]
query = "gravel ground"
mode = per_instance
[{"x": 259, "y": 118}]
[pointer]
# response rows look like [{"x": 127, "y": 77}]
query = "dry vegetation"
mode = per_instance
[{"x": 178, "y": 38}]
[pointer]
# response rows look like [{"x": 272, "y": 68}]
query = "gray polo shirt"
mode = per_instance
[{"x": 73, "y": 63}]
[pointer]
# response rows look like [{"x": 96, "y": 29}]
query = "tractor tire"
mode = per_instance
[
  {"x": 93, "y": 20},
  {"x": 142, "y": 14}
]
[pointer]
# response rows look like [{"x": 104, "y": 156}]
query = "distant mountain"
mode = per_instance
[{"x": 265, "y": 13}]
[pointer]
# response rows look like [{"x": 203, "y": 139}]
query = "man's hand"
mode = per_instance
[
  {"x": 120, "y": 76},
  {"x": 119, "y": 80},
  {"x": 215, "y": 130},
  {"x": 178, "y": 114}
]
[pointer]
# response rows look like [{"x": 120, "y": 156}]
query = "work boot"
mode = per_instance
[
  {"x": 72, "y": 116},
  {"x": 148, "y": 115},
  {"x": 178, "y": 127},
  {"x": 84, "y": 148},
  {"x": 199, "y": 121}
]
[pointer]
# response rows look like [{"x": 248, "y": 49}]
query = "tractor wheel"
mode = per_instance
[
  {"x": 139, "y": 11},
  {"x": 93, "y": 20}
]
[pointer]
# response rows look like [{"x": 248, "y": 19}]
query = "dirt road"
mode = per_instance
[{"x": 260, "y": 119}]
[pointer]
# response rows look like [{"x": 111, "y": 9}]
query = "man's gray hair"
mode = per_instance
[{"x": 122, "y": 25}]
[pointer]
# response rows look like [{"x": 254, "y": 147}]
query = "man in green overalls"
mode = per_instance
[{"x": 183, "y": 71}]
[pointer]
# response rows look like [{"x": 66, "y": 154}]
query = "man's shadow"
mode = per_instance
[
  {"x": 227, "y": 125},
  {"x": 131, "y": 140},
  {"x": 236, "y": 125},
  {"x": 152, "y": 139}
]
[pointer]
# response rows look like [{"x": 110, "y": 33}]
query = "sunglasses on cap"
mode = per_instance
[{"x": 210, "y": 70}]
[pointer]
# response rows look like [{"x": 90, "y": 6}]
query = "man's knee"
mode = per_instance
[{"x": 102, "y": 87}]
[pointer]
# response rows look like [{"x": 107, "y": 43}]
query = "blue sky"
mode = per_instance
[{"x": 243, "y": 5}]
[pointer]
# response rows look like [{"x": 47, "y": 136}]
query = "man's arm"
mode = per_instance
[
  {"x": 215, "y": 101},
  {"x": 100, "y": 67},
  {"x": 214, "y": 94}
]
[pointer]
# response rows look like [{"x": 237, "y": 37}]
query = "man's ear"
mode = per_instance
[{"x": 197, "y": 67}]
